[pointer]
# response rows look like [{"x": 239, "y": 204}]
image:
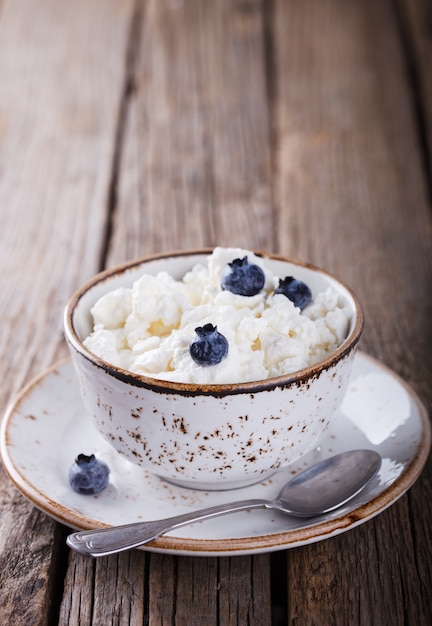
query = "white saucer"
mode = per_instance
[{"x": 46, "y": 427}]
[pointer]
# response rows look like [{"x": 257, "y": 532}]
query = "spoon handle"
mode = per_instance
[{"x": 118, "y": 538}]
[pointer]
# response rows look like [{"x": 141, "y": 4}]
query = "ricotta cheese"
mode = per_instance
[{"x": 148, "y": 328}]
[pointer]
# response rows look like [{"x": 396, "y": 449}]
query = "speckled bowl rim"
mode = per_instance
[{"x": 220, "y": 390}]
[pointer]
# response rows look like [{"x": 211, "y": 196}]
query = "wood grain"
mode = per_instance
[
  {"x": 61, "y": 77},
  {"x": 194, "y": 171},
  {"x": 133, "y": 126},
  {"x": 416, "y": 30},
  {"x": 349, "y": 199},
  {"x": 194, "y": 164}
]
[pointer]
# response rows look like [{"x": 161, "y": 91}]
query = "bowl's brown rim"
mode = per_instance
[{"x": 219, "y": 390}]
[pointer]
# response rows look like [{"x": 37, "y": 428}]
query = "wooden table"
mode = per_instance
[{"x": 134, "y": 126}]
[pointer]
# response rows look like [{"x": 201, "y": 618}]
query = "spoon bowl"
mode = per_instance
[
  {"x": 329, "y": 484},
  {"x": 317, "y": 490}
]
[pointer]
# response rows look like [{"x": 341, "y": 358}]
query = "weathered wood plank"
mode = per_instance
[
  {"x": 176, "y": 133},
  {"x": 349, "y": 579},
  {"x": 121, "y": 595},
  {"x": 27, "y": 552},
  {"x": 60, "y": 90},
  {"x": 351, "y": 195},
  {"x": 162, "y": 585},
  {"x": 250, "y": 579},
  {"x": 416, "y": 26},
  {"x": 195, "y": 593},
  {"x": 77, "y": 606},
  {"x": 241, "y": 594},
  {"x": 194, "y": 169},
  {"x": 120, "y": 590},
  {"x": 61, "y": 79}
]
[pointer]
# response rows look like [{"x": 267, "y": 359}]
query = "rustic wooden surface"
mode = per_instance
[{"x": 134, "y": 126}]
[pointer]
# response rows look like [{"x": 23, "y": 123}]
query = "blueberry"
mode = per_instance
[
  {"x": 88, "y": 475},
  {"x": 242, "y": 278},
  {"x": 295, "y": 290},
  {"x": 210, "y": 347}
]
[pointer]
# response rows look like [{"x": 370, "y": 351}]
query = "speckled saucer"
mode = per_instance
[{"x": 46, "y": 427}]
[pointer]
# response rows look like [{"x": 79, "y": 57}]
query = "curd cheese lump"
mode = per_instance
[{"x": 149, "y": 327}]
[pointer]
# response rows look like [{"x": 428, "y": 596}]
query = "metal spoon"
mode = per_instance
[{"x": 317, "y": 490}]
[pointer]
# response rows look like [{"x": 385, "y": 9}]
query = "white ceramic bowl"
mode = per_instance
[{"x": 209, "y": 436}]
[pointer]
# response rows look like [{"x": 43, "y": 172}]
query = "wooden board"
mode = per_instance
[{"x": 133, "y": 126}]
